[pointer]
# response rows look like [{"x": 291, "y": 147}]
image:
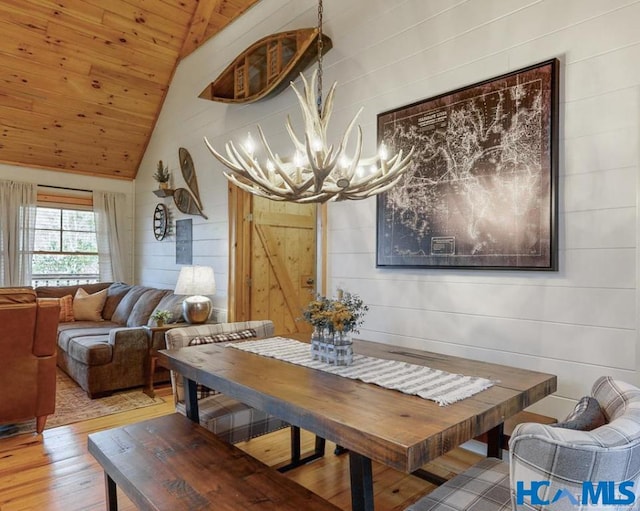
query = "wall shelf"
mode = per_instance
[{"x": 163, "y": 192}]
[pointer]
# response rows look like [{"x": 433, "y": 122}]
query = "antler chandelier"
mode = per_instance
[{"x": 317, "y": 172}]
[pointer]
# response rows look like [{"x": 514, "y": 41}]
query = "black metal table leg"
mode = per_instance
[
  {"x": 495, "y": 438},
  {"x": 361, "y": 482},
  {"x": 111, "y": 493},
  {"x": 191, "y": 400}
]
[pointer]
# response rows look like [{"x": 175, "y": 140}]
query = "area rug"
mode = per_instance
[{"x": 73, "y": 405}]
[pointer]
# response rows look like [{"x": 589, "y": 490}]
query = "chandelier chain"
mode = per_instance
[{"x": 320, "y": 48}]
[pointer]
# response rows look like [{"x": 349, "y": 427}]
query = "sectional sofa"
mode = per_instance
[{"x": 111, "y": 352}]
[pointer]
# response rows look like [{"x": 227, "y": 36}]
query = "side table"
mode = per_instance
[{"x": 153, "y": 354}]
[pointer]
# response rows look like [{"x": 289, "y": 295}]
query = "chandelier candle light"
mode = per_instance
[{"x": 317, "y": 172}]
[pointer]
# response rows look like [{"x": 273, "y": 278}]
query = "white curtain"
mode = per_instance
[
  {"x": 18, "y": 207},
  {"x": 110, "y": 211}
]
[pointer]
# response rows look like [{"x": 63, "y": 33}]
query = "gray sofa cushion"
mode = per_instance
[
  {"x": 172, "y": 303},
  {"x": 126, "y": 305},
  {"x": 92, "y": 350},
  {"x": 144, "y": 307},
  {"x": 115, "y": 294},
  {"x": 70, "y": 331}
]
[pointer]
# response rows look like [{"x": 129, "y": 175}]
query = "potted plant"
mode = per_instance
[
  {"x": 162, "y": 175},
  {"x": 333, "y": 323},
  {"x": 161, "y": 317}
]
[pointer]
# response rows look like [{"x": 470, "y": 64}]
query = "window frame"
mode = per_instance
[{"x": 62, "y": 202}]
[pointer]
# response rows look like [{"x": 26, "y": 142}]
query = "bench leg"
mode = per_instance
[
  {"x": 295, "y": 444},
  {"x": 111, "y": 494},
  {"x": 296, "y": 457}
]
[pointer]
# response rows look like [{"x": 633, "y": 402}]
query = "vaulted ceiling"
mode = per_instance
[{"x": 82, "y": 81}]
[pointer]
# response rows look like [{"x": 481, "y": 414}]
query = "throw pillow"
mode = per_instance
[
  {"x": 66, "y": 309},
  {"x": 231, "y": 336},
  {"x": 586, "y": 415},
  {"x": 202, "y": 390},
  {"x": 88, "y": 307},
  {"x": 115, "y": 293},
  {"x": 144, "y": 307},
  {"x": 171, "y": 303},
  {"x": 128, "y": 301}
]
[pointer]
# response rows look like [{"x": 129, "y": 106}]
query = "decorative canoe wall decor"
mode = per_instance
[
  {"x": 267, "y": 66},
  {"x": 188, "y": 202}
]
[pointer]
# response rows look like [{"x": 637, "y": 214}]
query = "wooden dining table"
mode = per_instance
[{"x": 374, "y": 423}]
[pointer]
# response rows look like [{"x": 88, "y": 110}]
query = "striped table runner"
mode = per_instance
[{"x": 439, "y": 386}]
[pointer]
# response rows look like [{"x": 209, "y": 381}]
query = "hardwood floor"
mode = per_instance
[{"x": 55, "y": 471}]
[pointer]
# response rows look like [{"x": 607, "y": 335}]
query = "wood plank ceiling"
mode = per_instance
[{"x": 83, "y": 81}]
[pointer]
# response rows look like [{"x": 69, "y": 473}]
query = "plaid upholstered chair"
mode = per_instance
[
  {"x": 231, "y": 420},
  {"x": 548, "y": 465}
]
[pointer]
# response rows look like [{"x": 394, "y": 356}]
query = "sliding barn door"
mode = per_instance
[{"x": 275, "y": 260}]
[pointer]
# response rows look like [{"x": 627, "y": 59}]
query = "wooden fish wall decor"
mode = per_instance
[{"x": 186, "y": 201}]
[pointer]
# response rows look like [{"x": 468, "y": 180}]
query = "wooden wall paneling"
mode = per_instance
[
  {"x": 279, "y": 273},
  {"x": 198, "y": 25},
  {"x": 146, "y": 27},
  {"x": 60, "y": 130},
  {"x": 72, "y": 10},
  {"x": 230, "y": 10},
  {"x": 13, "y": 103},
  {"x": 115, "y": 42},
  {"x": 321, "y": 287},
  {"x": 287, "y": 234},
  {"x": 92, "y": 113},
  {"x": 33, "y": 47},
  {"x": 239, "y": 298},
  {"x": 19, "y": 17},
  {"x": 83, "y": 43},
  {"x": 76, "y": 146},
  {"x": 91, "y": 56},
  {"x": 260, "y": 273},
  {"x": 61, "y": 198},
  {"x": 169, "y": 11}
]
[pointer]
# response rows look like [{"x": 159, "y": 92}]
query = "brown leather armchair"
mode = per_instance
[{"x": 28, "y": 331}]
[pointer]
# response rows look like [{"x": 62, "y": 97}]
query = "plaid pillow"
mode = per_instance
[
  {"x": 586, "y": 416},
  {"x": 231, "y": 336},
  {"x": 211, "y": 339}
]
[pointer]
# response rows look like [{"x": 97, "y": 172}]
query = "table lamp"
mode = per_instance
[{"x": 196, "y": 281}]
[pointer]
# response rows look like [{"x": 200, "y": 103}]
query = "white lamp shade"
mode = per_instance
[{"x": 196, "y": 280}]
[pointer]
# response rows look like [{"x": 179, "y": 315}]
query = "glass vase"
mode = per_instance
[
  {"x": 343, "y": 348},
  {"x": 317, "y": 339}
]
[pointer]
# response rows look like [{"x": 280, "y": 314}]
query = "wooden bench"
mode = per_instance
[
  {"x": 512, "y": 422},
  {"x": 171, "y": 463}
]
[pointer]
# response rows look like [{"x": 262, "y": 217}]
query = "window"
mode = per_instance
[{"x": 66, "y": 251}]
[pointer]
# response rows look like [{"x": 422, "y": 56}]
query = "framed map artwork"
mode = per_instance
[{"x": 482, "y": 190}]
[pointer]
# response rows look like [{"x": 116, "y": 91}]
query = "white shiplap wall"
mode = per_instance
[{"x": 579, "y": 322}]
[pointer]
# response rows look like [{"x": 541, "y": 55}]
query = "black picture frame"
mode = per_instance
[
  {"x": 482, "y": 190},
  {"x": 184, "y": 241}
]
